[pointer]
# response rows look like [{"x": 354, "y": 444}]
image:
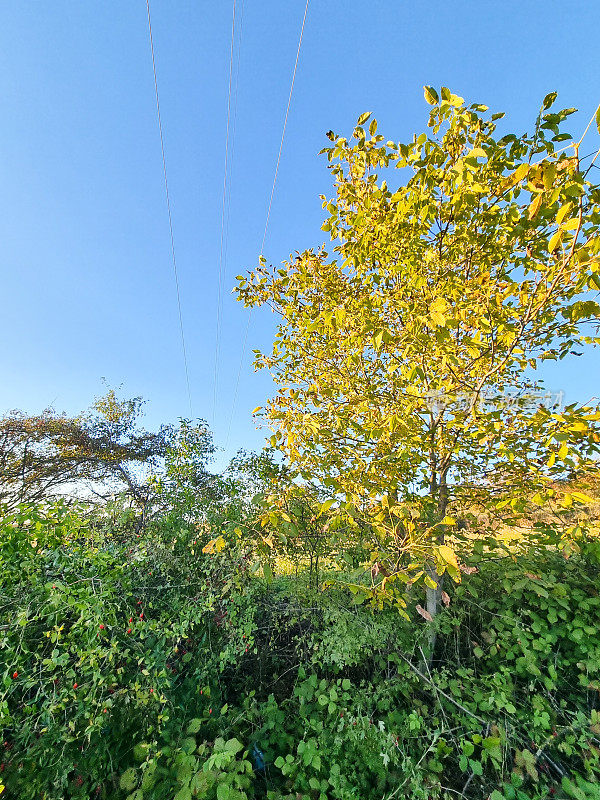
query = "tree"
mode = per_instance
[
  {"x": 405, "y": 361},
  {"x": 184, "y": 485},
  {"x": 48, "y": 454},
  {"x": 285, "y": 519}
]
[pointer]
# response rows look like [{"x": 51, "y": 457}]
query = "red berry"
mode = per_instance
[
  {"x": 142, "y": 615},
  {"x": 128, "y": 630},
  {"x": 130, "y": 619},
  {"x": 104, "y": 711},
  {"x": 75, "y": 685},
  {"x": 101, "y": 627},
  {"x": 15, "y": 674},
  {"x": 210, "y": 710}
]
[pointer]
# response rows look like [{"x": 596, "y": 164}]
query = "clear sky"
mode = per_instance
[{"x": 87, "y": 279}]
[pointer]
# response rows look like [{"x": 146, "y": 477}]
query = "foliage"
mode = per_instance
[
  {"x": 184, "y": 486},
  {"x": 404, "y": 361},
  {"x": 139, "y": 667},
  {"x": 195, "y": 651},
  {"x": 97, "y": 646},
  {"x": 45, "y": 455}
]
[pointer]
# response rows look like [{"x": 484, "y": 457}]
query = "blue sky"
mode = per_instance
[{"x": 87, "y": 278}]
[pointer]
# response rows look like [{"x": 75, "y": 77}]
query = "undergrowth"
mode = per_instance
[{"x": 138, "y": 667}]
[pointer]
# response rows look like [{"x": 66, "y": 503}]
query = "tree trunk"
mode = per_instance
[{"x": 434, "y": 596}]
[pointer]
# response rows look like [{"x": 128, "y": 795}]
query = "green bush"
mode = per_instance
[{"x": 139, "y": 667}]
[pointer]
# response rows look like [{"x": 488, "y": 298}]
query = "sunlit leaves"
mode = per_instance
[
  {"x": 401, "y": 354},
  {"x": 431, "y": 96}
]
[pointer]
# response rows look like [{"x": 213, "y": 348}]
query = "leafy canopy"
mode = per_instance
[{"x": 405, "y": 359}]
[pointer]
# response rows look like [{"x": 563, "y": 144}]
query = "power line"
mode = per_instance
[
  {"x": 223, "y": 212},
  {"x": 287, "y": 111},
  {"x": 164, "y": 163}
]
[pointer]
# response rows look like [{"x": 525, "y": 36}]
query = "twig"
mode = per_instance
[{"x": 437, "y": 689}]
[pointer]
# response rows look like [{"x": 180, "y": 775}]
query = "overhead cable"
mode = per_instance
[
  {"x": 164, "y": 163},
  {"x": 268, "y": 217}
]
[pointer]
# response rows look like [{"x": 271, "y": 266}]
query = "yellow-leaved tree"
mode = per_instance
[{"x": 405, "y": 358}]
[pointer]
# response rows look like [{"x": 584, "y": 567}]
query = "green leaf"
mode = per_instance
[
  {"x": 188, "y": 745},
  {"x": 549, "y": 100},
  {"x": 572, "y": 790},
  {"x": 326, "y": 506},
  {"x": 194, "y": 725},
  {"x": 128, "y": 780},
  {"x": 140, "y": 751},
  {"x": 598, "y": 119},
  {"x": 431, "y": 96},
  {"x": 234, "y": 746},
  {"x": 364, "y": 117}
]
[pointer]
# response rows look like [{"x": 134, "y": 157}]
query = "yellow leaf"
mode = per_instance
[
  {"x": 520, "y": 172},
  {"x": 570, "y": 224},
  {"x": 448, "y": 555},
  {"x": 535, "y": 206},
  {"x": 431, "y": 96},
  {"x": 579, "y": 426},
  {"x": 437, "y": 311},
  {"x": 562, "y": 213},
  {"x": 563, "y": 452},
  {"x": 215, "y": 545},
  {"x": 583, "y": 498},
  {"x": 430, "y": 582},
  {"x": 555, "y": 241}
]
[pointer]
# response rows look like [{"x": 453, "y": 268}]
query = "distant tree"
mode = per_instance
[
  {"x": 404, "y": 361},
  {"x": 184, "y": 485},
  {"x": 104, "y": 449}
]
